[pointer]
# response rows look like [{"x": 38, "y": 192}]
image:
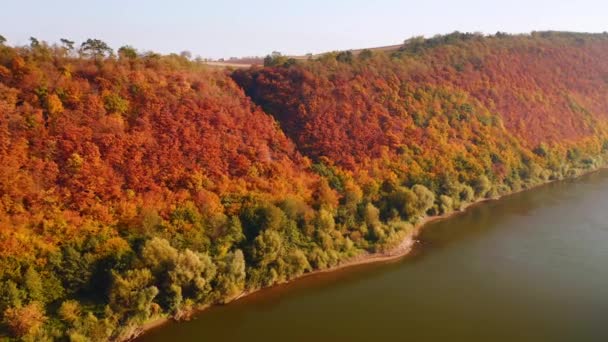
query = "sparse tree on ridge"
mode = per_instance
[
  {"x": 186, "y": 54},
  {"x": 95, "y": 48},
  {"x": 34, "y": 43},
  {"x": 67, "y": 44},
  {"x": 127, "y": 51}
]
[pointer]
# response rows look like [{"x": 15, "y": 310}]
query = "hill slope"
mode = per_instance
[
  {"x": 488, "y": 101},
  {"x": 99, "y": 156},
  {"x": 138, "y": 187}
]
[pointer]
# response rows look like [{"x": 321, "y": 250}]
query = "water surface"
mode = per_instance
[{"x": 529, "y": 267}]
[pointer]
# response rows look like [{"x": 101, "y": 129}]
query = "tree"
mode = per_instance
[
  {"x": 267, "y": 247},
  {"x": 95, "y": 48},
  {"x": 467, "y": 194},
  {"x": 295, "y": 264},
  {"x": 193, "y": 274},
  {"x": 68, "y": 45},
  {"x": 69, "y": 311},
  {"x": 24, "y": 321},
  {"x": 232, "y": 234},
  {"x": 482, "y": 185},
  {"x": 128, "y": 52},
  {"x": 345, "y": 57},
  {"x": 11, "y": 295},
  {"x": 131, "y": 294},
  {"x": 75, "y": 270},
  {"x": 405, "y": 202},
  {"x": 446, "y": 204},
  {"x": 371, "y": 216},
  {"x": 33, "y": 285},
  {"x": 54, "y": 106},
  {"x": 366, "y": 54},
  {"x": 186, "y": 54},
  {"x": 34, "y": 43},
  {"x": 259, "y": 217},
  {"x": 2, "y": 40},
  {"x": 114, "y": 103},
  {"x": 276, "y": 59},
  {"x": 425, "y": 198},
  {"x": 541, "y": 150},
  {"x": 230, "y": 280},
  {"x": 159, "y": 255}
]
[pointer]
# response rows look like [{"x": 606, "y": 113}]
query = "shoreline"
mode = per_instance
[{"x": 398, "y": 252}]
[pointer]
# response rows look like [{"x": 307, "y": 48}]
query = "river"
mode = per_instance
[{"x": 532, "y": 266}]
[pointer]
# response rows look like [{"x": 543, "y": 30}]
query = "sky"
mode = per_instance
[{"x": 223, "y": 29}]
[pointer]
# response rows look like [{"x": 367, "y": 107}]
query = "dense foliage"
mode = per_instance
[
  {"x": 125, "y": 185},
  {"x": 448, "y": 112},
  {"x": 137, "y": 186}
]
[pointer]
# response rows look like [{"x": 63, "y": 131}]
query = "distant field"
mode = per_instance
[
  {"x": 249, "y": 61},
  {"x": 231, "y": 64},
  {"x": 355, "y": 52}
]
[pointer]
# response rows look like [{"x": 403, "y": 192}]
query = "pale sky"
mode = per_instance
[{"x": 257, "y": 27}]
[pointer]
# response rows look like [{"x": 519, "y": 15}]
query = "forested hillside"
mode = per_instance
[
  {"x": 131, "y": 186},
  {"x": 136, "y": 186},
  {"x": 506, "y": 102}
]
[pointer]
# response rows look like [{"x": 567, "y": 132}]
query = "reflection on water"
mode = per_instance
[{"x": 530, "y": 267}]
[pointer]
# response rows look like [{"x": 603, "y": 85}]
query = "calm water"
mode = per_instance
[{"x": 530, "y": 267}]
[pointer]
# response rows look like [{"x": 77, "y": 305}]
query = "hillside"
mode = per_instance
[
  {"x": 99, "y": 156},
  {"x": 135, "y": 187},
  {"x": 459, "y": 105}
]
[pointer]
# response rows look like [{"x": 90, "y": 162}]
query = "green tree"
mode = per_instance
[
  {"x": 33, "y": 285},
  {"x": 366, "y": 54},
  {"x": 446, "y": 204},
  {"x": 482, "y": 185},
  {"x": 70, "y": 311},
  {"x": 132, "y": 294},
  {"x": 325, "y": 221},
  {"x": 128, "y": 52},
  {"x": 267, "y": 247},
  {"x": 230, "y": 280},
  {"x": 541, "y": 150},
  {"x": 276, "y": 59},
  {"x": 95, "y": 48},
  {"x": 34, "y": 43},
  {"x": 193, "y": 273},
  {"x": 11, "y": 295},
  {"x": 158, "y": 255},
  {"x": 467, "y": 194},
  {"x": 295, "y": 264},
  {"x": 75, "y": 270},
  {"x": 114, "y": 103},
  {"x": 256, "y": 218},
  {"x": 68, "y": 45},
  {"x": 405, "y": 202},
  {"x": 345, "y": 57},
  {"x": 425, "y": 199},
  {"x": 231, "y": 235}
]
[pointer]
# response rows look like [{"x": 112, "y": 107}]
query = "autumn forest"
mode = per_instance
[{"x": 136, "y": 186}]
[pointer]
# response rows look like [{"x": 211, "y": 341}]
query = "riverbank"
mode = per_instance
[
  {"x": 393, "y": 254},
  {"x": 396, "y": 253}
]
